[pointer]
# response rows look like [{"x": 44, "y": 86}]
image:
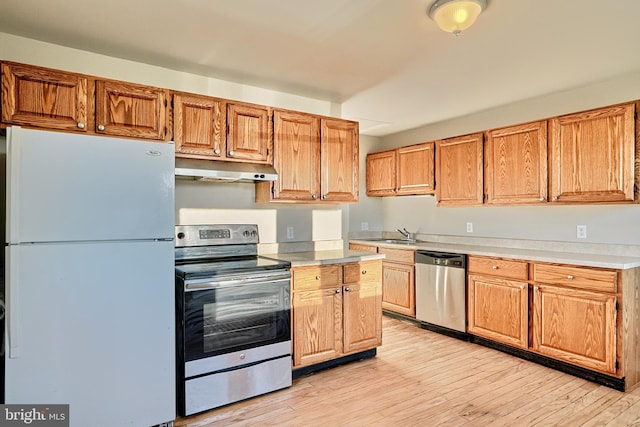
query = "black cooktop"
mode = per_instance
[{"x": 220, "y": 267}]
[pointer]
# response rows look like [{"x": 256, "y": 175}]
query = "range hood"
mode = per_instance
[{"x": 216, "y": 170}]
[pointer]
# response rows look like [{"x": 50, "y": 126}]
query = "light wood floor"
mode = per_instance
[{"x": 421, "y": 378}]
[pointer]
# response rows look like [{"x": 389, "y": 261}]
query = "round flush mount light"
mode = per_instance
[{"x": 455, "y": 16}]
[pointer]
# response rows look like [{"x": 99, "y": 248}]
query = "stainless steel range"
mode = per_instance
[{"x": 233, "y": 315}]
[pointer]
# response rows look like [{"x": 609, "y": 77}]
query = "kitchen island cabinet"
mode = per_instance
[{"x": 336, "y": 310}]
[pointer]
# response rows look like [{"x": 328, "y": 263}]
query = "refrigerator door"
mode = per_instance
[
  {"x": 92, "y": 326},
  {"x": 66, "y": 187}
]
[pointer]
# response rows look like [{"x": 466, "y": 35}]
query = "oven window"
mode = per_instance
[{"x": 234, "y": 318}]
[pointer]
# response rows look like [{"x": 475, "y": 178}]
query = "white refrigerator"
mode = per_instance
[{"x": 89, "y": 277}]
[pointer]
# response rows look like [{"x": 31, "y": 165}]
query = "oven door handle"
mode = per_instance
[{"x": 263, "y": 278}]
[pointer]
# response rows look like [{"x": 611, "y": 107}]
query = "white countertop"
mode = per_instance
[
  {"x": 300, "y": 259},
  {"x": 583, "y": 259}
]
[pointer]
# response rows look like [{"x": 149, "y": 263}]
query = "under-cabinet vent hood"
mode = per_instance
[{"x": 215, "y": 170}]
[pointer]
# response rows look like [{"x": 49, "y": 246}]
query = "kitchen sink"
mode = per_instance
[{"x": 399, "y": 241}]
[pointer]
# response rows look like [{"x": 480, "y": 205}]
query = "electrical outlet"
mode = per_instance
[
  {"x": 469, "y": 227},
  {"x": 289, "y": 233},
  {"x": 581, "y": 232},
  {"x": 364, "y": 226}
]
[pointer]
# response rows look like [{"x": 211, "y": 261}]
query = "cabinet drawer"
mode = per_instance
[
  {"x": 362, "y": 247},
  {"x": 509, "y": 268},
  {"x": 314, "y": 277},
  {"x": 368, "y": 271},
  {"x": 405, "y": 256},
  {"x": 579, "y": 277}
]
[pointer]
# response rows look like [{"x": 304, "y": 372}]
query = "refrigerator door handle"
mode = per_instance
[{"x": 12, "y": 291}]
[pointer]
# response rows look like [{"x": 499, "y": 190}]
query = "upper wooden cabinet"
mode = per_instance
[
  {"x": 403, "y": 171},
  {"x": 199, "y": 126},
  {"x": 131, "y": 110},
  {"x": 592, "y": 156},
  {"x": 316, "y": 159},
  {"x": 40, "y": 97},
  {"x": 516, "y": 164},
  {"x": 459, "y": 171},
  {"x": 249, "y": 137}
]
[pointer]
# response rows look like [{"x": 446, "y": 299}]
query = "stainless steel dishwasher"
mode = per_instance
[{"x": 441, "y": 289}]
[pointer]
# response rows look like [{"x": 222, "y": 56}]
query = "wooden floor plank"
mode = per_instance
[{"x": 421, "y": 378}]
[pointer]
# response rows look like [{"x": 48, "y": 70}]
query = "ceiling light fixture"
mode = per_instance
[{"x": 455, "y": 16}]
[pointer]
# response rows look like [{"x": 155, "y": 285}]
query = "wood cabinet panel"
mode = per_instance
[
  {"x": 398, "y": 288},
  {"x": 317, "y": 276},
  {"x": 248, "y": 135},
  {"x": 317, "y": 326},
  {"x": 199, "y": 126},
  {"x": 381, "y": 173},
  {"x": 416, "y": 173},
  {"x": 130, "y": 110},
  {"x": 574, "y": 276},
  {"x": 41, "y": 97},
  {"x": 506, "y": 268},
  {"x": 405, "y": 256},
  {"x": 516, "y": 164},
  {"x": 575, "y": 326},
  {"x": 459, "y": 180},
  {"x": 363, "y": 248},
  {"x": 366, "y": 271},
  {"x": 296, "y": 156},
  {"x": 498, "y": 309},
  {"x": 592, "y": 156},
  {"x": 362, "y": 315},
  {"x": 339, "y": 160}
]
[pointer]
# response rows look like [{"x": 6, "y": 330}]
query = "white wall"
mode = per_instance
[{"x": 613, "y": 224}]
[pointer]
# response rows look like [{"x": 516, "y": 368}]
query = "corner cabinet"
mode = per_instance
[
  {"x": 45, "y": 98},
  {"x": 336, "y": 311},
  {"x": 592, "y": 156},
  {"x": 515, "y": 169},
  {"x": 459, "y": 180},
  {"x": 403, "y": 171},
  {"x": 316, "y": 159}
]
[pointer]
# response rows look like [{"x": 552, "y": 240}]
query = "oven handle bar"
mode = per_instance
[{"x": 238, "y": 281}]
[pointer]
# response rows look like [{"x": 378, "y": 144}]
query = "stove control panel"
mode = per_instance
[{"x": 215, "y": 234}]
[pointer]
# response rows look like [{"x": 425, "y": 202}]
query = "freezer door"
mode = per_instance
[
  {"x": 67, "y": 187},
  {"x": 92, "y": 326}
]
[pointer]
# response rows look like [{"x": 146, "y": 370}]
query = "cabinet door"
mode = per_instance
[
  {"x": 248, "y": 136},
  {"x": 339, "y": 160},
  {"x": 416, "y": 169},
  {"x": 381, "y": 173},
  {"x": 516, "y": 164},
  {"x": 199, "y": 126},
  {"x": 575, "y": 326},
  {"x": 459, "y": 171},
  {"x": 317, "y": 325},
  {"x": 398, "y": 288},
  {"x": 362, "y": 311},
  {"x": 498, "y": 309},
  {"x": 297, "y": 156},
  {"x": 40, "y": 97},
  {"x": 363, "y": 248},
  {"x": 592, "y": 156},
  {"x": 129, "y": 110}
]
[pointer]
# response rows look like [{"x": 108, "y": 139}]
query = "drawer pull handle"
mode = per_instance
[
  {"x": 364, "y": 271},
  {"x": 337, "y": 291},
  {"x": 318, "y": 277},
  {"x": 495, "y": 267},
  {"x": 569, "y": 277},
  {"x": 347, "y": 289}
]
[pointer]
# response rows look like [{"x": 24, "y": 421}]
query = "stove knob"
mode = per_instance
[
  {"x": 246, "y": 233},
  {"x": 181, "y": 235}
]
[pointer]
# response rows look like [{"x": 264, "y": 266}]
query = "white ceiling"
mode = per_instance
[{"x": 385, "y": 61}]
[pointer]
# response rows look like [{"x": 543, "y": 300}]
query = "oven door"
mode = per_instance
[{"x": 234, "y": 313}]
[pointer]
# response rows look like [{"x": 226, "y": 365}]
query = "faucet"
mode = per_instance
[{"x": 405, "y": 233}]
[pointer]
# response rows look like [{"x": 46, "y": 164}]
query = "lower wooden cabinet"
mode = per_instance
[
  {"x": 498, "y": 310},
  {"x": 575, "y": 326},
  {"x": 398, "y": 288},
  {"x": 337, "y": 310}
]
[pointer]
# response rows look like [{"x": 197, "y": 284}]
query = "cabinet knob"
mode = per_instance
[
  {"x": 542, "y": 199},
  {"x": 554, "y": 198},
  {"x": 364, "y": 271},
  {"x": 495, "y": 267},
  {"x": 314, "y": 196},
  {"x": 216, "y": 151},
  {"x": 101, "y": 127},
  {"x": 324, "y": 196},
  {"x": 318, "y": 277},
  {"x": 232, "y": 153},
  {"x": 521, "y": 286},
  {"x": 535, "y": 288},
  {"x": 347, "y": 289},
  {"x": 337, "y": 291},
  {"x": 80, "y": 125},
  {"x": 569, "y": 277}
]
